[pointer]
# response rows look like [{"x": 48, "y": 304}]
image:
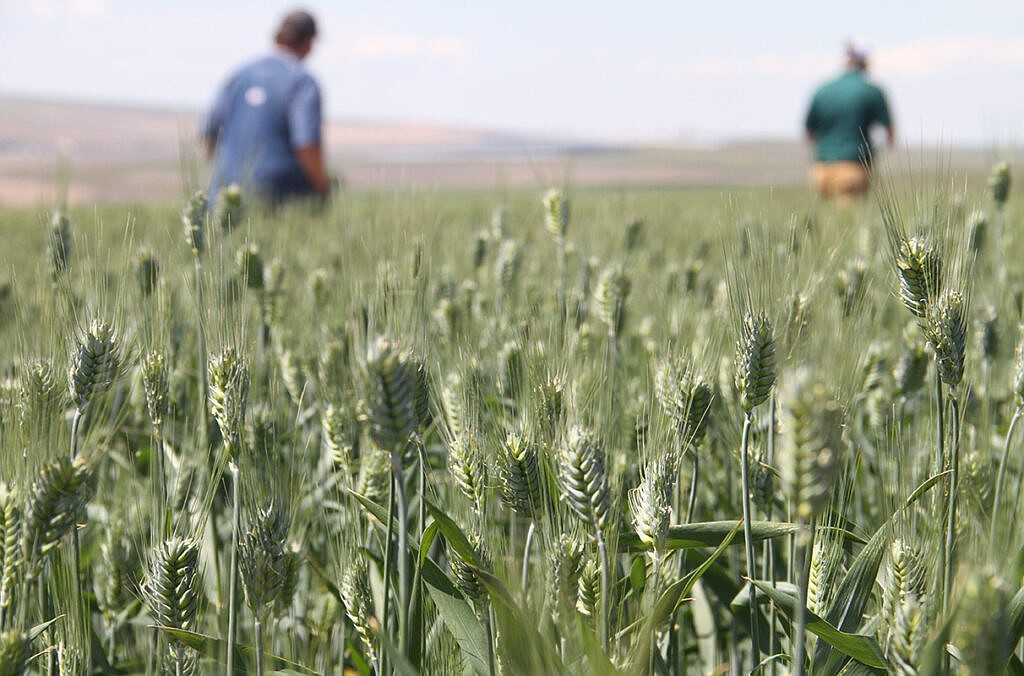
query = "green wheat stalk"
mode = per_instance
[
  {"x": 755, "y": 377},
  {"x": 268, "y": 567},
  {"x": 193, "y": 217},
  {"x": 584, "y": 482},
  {"x": 172, "y": 589},
  {"x": 358, "y": 599},
  {"x": 392, "y": 412},
  {"x": 812, "y": 428},
  {"x": 947, "y": 333},
  {"x": 556, "y": 222},
  {"x": 228, "y": 398},
  {"x": 522, "y": 489},
  {"x": 10, "y": 550},
  {"x": 95, "y": 363},
  {"x": 1018, "y": 394}
]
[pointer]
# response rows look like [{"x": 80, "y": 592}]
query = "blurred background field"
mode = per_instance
[{"x": 113, "y": 154}]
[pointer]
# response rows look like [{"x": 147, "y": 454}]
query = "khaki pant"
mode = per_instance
[{"x": 841, "y": 180}]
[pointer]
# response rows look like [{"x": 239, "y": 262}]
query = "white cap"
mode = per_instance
[{"x": 857, "y": 49}]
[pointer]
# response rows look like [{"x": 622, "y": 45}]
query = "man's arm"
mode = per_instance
[
  {"x": 311, "y": 159},
  {"x": 305, "y": 125},
  {"x": 811, "y": 122},
  {"x": 884, "y": 117},
  {"x": 214, "y": 121}
]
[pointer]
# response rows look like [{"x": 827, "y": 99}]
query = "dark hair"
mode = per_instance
[{"x": 296, "y": 28}]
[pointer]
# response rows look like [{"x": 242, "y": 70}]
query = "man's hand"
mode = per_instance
[
  {"x": 210, "y": 144},
  {"x": 311, "y": 159}
]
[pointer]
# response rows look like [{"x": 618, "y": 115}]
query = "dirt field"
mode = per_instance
[{"x": 115, "y": 154}]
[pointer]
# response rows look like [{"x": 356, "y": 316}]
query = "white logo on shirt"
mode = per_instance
[{"x": 256, "y": 96}]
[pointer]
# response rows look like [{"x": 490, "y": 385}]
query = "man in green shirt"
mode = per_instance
[{"x": 839, "y": 122}]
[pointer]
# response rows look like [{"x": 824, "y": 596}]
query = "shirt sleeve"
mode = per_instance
[
  {"x": 304, "y": 116},
  {"x": 811, "y": 119},
  {"x": 882, "y": 110},
  {"x": 214, "y": 120}
]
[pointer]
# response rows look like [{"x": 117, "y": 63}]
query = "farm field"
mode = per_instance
[
  {"x": 123, "y": 155},
  {"x": 567, "y": 429}
]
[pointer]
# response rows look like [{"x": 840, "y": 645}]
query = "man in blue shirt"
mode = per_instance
[
  {"x": 264, "y": 131},
  {"x": 839, "y": 123}
]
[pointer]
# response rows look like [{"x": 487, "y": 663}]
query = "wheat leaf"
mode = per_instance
[
  {"x": 451, "y": 531},
  {"x": 212, "y": 646},
  {"x": 862, "y": 648},
  {"x": 466, "y": 629},
  {"x": 707, "y": 534}
]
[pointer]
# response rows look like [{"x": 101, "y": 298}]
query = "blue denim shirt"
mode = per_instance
[{"x": 267, "y": 109}]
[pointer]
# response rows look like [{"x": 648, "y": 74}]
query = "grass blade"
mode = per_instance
[
  {"x": 453, "y": 534},
  {"x": 708, "y": 534},
  {"x": 862, "y": 648},
  {"x": 465, "y": 627},
  {"x": 214, "y": 647}
]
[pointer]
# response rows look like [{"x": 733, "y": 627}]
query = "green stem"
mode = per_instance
[
  {"x": 940, "y": 454},
  {"x": 611, "y": 352},
  {"x": 602, "y": 549},
  {"x": 940, "y": 463},
  {"x": 201, "y": 339},
  {"x": 233, "y": 566},
  {"x": 417, "y": 619},
  {"x": 800, "y": 622},
  {"x": 947, "y": 586},
  {"x": 748, "y": 539},
  {"x": 997, "y": 503},
  {"x": 258, "y": 627},
  {"x": 526, "y": 552},
  {"x": 1000, "y": 222},
  {"x": 46, "y": 609},
  {"x": 160, "y": 481},
  {"x": 154, "y": 651},
  {"x": 677, "y": 632},
  {"x": 78, "y": 602},
  {"x": 490, "y": 640},
  {"x": 768, "y": 565},
  {"x": 563, "y": 310},
  {"x": 212, "y": 539},
  {"x": 78, "y": 599},
  {"x": 691, "y": 504},
  {"x": 402, "y": 553},
  {"x": 655, "y": 592},
  {"x": 768, "y": 574},
  {"x": 111, "y": 645},
  {"x": 76, "y": 423},
  {"x": 388, "y": 552}
]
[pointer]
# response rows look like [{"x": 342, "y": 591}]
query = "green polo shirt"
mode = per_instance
[{"x": 841, "y": 116}]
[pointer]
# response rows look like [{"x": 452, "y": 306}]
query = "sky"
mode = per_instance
[{"x": 645, "y": 70}]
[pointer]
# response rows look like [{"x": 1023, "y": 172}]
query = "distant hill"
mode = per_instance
[
  {"x": 121, "y": 154},
  {"x": 116, "y": 153}
]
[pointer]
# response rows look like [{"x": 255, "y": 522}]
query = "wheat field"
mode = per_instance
[{"x": 564, "y": 431}]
